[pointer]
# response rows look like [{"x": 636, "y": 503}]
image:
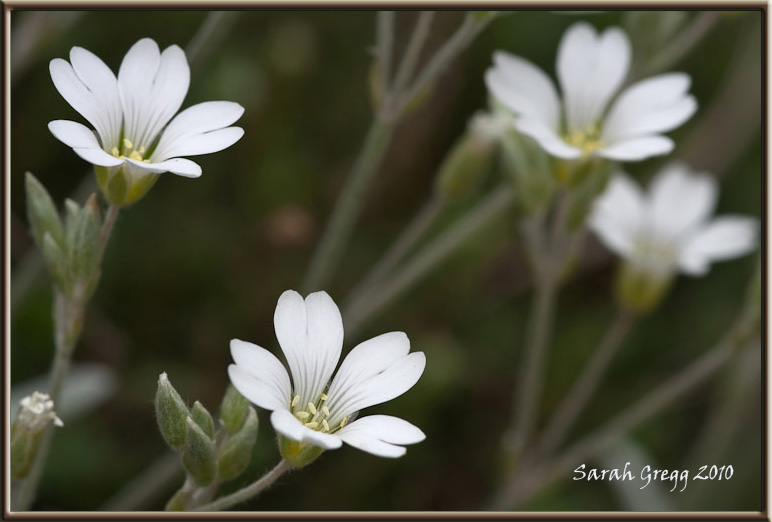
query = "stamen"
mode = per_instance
[
  {"x": 302, "y": 415},
  {"x": 323, "y": 397},
  {"x": 325, "y": 426},
  {"x": 326, "y": 411},
  {"x": 127, "y": 143},
  {"x": 344, "y": 421},
  {"x": 136, "y": 156},
  {"x": 312, "y": 408},
  {"x": 142, "y": 150},
  {"x": 312, "y": 425},
  {"x": 115, "y": 152},
  {"x": 295, "y": 401}
]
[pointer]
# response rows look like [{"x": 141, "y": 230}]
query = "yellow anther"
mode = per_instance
[
  {"x": 344, "y": 421},
  {"x": 302, "y": 415},
  {"x": 142, "y": 150},
  {"x": 323, "y": 397},
  {"x": 115, "y": 152},
  {"x": 295, "y": 401},
  {"x": 312, "y": 408},
  {"x": 326, "y": 411},
  {"x": 128, "y": 144},
  {"x": 325, "y": 426},
  {"x": 312, "y": 425},
  {"x": 136, "y": 156}
]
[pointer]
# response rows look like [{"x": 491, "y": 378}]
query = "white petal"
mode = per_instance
[
  {"x": 80, "y": 98},
  {"x": 263, "y": 366},
  {"x": 194, "y": 121},
  {"x": 98, "y": 157},
  {"x": 291, "y": 325},
  {"x": 385, "y": 386},
  {"x": 547, "y": 138},
  {"x": 636, "y": 149},
  {"x": 524, "y": 88},
  {"x": 590, "y": 68},
  {"x": 681, "y": 200},
  {"x": 386, "y": 428},
  {"x": 103, "y": 84},
  {"x": 180, "y": 166},
  {"x": 135, "y": 81},
  {"x": 365, "y": 441},
  {"x": 288, "y": 425},
  {"x": 73, "y": 134},
  {"x": 207, "y": 143},
  {"x": 325, "y": 340},
  {"x": 366, "y": 360},
  {"x": 651, "y": 106},
  {"x": 618, "y": 214},
  {"x": 255, "y": 390},
  {"x": 724, "y": 238}
]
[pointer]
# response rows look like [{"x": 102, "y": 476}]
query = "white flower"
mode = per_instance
[
  {"x": 669, "y": 230},
  {"x": 130, "y": 113},
  {"x": 307, "y": 410},
  {"x": 591, "y": 69},
  {"x": 37, "y": 410}
]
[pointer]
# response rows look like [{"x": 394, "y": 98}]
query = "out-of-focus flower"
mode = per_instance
[
  {"x": 591, "y": 69},
  {"x": 669, "y": 230},
  {"x": 310, "y": 415},
  {"x": 132, "y": 114},
  {"x": 35, "y": 414}
]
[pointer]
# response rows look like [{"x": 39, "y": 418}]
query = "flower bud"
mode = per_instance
[
  {"x": 198, "y": 454},
  {"x": 86, "y": 247},
  {"x": 234, "y": 454},
  {"x": 641, "y": 290},
  {"x": 233, "y": 410},
  {"x": 298, "y": 454},
  {"x": 124, "y": 185},
  {"x": 35, "y": 414},
  {"x": 56, "y": 263},
  {"x": 471, "y": 156},
  {"x": 171, "y": 413},
  {"x": 178, "y": 500},
  {"x": 41, "y": 213},
  {"x": 202, "y": 417}
]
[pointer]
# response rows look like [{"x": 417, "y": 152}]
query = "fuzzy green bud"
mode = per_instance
[
  {"x": 86, "y": 247},
  {"x": 56, "y": 263},
  {"x": 202, "y": 417},
  {"x": 234, "y": 454},
  {"x": 471, "y": 157},
  {"x": 198, "y": 454},
  {"x": 178, "y": 500},
  {"x": 171, "y": 413},
  {"x": 641, "y": 290},
  {"x": 233, "y": 410},
  {"x": 41, "y": 212},
  {"x": 298, "y": 454},
  {"x": 124, "y": 185}
]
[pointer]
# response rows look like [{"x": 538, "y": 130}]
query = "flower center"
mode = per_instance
[
  {"x": 315, "y": 416},
  {"x": 656, "y": 255},
  {"x": 588, "y": 139},
  {"x": 128, "y": 152}
]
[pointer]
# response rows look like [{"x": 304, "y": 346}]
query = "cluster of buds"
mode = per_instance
[
  {"x": 35, "y": 414},
  {"x": 210, "y": 454}
]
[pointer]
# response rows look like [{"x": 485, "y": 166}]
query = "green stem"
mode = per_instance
[
  {"x": 108, "y": 223},
  {"x": 681, "y": 46},
  {"x": 248, "y": 492},
  {"x": 406, "y": 241},
  {"x": 527, "y": 483},
  {"x": 476, "y": 221},
  {"x": 586, "y": 385},
  {"x": 343, "y": 218},
  {"x": 410, "y": 59},
  {"x": 384, "y": 36}
]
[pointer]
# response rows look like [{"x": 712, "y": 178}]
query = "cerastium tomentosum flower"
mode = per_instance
[
  {"x": 311, "y": 414},
  {"x": 668, "y": 231},
  {"x": 591, "y": 69},
  {"x": 131, "y": 114}
]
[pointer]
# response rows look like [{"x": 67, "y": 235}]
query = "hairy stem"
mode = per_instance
[
  {"x": 412, "y": 54},
  {"x": 248, "y": 492}
]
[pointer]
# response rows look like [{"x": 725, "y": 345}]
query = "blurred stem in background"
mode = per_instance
[
  {"x": 392, "y": 103},
  {"x": 744, "y": 332}
]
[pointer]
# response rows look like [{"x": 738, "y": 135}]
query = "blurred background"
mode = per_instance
[{"x": 199, "y": 262}]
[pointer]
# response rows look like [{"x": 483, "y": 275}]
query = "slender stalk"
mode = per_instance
[
  {"x": 681, "y": 46},
  {"x": 412, "y": 54},
  {"x": 404, "y": 243},
  {"x": 108, "y": 223},
  {"x": 587, "y": 383},
  {"x": 526, "y": 484},
  {"x": 384, "y": 36},
  {"x": 496, "y": 204},
  {"x": 248, "y": 492},
  {"x": 343, "y": 218}
]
